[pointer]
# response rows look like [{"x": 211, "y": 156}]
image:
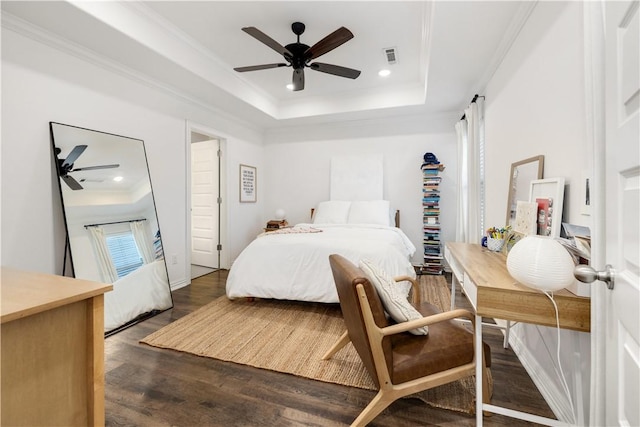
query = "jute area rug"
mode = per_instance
[{"x": 292, "y": 337}]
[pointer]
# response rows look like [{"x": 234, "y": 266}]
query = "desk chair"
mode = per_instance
[{"x": 399, "y": 362}]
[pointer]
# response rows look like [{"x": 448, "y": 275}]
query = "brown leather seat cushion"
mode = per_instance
[{"x": 447, "y": 345}]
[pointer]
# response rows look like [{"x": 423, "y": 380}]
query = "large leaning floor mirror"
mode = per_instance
[{"x": 113, "y": 233}]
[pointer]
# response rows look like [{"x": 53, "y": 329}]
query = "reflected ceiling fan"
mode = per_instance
[
  {"x": 299, "y": 55},
  {"x": 65, "y": 166}
]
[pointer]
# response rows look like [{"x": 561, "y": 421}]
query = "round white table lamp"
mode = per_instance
[
  {"x": 541, "y": 263},
  {"x": 280, "y": 214}
]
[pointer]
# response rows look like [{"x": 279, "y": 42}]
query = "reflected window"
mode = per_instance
[{"x": 124, "y": 253}]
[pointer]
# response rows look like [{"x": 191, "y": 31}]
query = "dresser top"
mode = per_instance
[{"x": 27, "y": 293}]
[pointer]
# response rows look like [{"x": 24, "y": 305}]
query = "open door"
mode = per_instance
[
  {"x": 616, "y": 307},
  {"x": 622, "y": 212},
  {"x": 205, "y": 209}
]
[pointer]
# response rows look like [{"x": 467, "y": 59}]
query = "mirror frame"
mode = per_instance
[
  {"x": 511, "y": 195},
  {"x": 65, "y": 214}
]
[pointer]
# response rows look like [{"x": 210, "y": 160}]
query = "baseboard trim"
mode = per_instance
[
  {"x": 179, "y": 284},
  {"x": 554, "y": 396}
]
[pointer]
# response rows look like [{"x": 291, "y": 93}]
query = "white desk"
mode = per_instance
[{"x": 494, "y": 293}]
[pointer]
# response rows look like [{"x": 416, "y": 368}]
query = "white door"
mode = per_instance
[
  {"x": 622, "y": 151},
  {"x": 204, "y": 206}
]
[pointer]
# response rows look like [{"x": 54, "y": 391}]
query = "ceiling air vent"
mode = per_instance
[{"x": 390, "y": 55}]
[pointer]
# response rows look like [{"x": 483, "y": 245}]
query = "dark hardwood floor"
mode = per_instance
[{"x": 146, "y": 386}]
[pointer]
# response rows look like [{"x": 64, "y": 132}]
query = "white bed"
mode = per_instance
[
  {"x": 139, "y": 292},
  {"x": 294, "y": 264}
]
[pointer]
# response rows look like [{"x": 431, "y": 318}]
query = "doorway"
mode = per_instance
[{"x": 204, "y": 203}]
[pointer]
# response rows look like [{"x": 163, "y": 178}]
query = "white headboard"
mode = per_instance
[{"x": 356, "y": 177}]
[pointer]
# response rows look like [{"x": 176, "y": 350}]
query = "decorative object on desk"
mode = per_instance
[
  {"x": 510, "y": 239},
  {"x": 542, "y": 263},
  {"x": 545, "y": 209},
  {"x": 549, "y": 195},
  {"x": 526, "y": 215},
  {"x": 248, "y": 184},
  {"x": 522, "y": 173},
  {"x": 494, "y": 245},
  {"x": 495, "y": 238}
]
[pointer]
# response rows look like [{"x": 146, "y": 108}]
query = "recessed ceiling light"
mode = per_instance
[
  {"x": 384, "y": 73},
  {"x": 290, "y": 86},
  {"x": 118, "y": 178}
]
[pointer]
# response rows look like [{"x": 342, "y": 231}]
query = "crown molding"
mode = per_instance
[
  {"x": 45, "y": 37},
  {"x": 510, "y": 36},
  {"x": 386, "y": 125}
]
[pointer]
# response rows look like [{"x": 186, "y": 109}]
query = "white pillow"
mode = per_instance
[
  {"x": 332, "y": 212},
  {"x": 369, "y": 212},
  {"x": 394, "y": 300}
]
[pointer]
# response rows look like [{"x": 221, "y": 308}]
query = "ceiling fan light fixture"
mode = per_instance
[
  {"x": 384, "y": 72},
  {"x": 289, "y": 86},
  {"x": 298, "y": 55},
  {"x": 118, "y": 178}
]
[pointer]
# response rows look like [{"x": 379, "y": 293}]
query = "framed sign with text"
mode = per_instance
[{"x": 248, "y": 189}]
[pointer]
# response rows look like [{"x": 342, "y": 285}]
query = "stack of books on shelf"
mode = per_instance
[{"x": 432, "y": 262}]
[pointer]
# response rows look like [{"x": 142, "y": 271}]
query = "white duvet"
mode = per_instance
[
  {"x": 139, "y": 292},
  {"x": 295, "y": 266}
]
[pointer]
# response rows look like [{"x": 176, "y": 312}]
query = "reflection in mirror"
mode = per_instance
[
  {"x": 111, "y": 221},
  {"x": 522, "y": 173}
]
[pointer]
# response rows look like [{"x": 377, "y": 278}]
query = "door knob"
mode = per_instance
[{"x": 587, "y": 274}]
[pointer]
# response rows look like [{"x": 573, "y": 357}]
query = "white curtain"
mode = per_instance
[
  {"x": 145, "y": 246},
  {"x": 470, "y": 134},
  {"x": 103, "y": 258}
]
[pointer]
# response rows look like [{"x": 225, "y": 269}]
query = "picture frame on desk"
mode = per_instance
[{"x": 549, "y": 194}]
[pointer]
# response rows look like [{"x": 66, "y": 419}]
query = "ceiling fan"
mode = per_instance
[
  {"x": 299, "y": 55},
  {"x": 65, "y": 166}
]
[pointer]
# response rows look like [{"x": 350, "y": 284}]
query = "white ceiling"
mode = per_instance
[{"x": 447, "y": 51}]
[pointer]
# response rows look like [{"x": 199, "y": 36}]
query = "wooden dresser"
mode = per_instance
[{"x": 52, "y": 348}]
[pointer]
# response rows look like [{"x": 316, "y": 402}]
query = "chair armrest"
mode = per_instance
[
  {"x": 425, "y": 321},
  {"x": 416, "y": 296}
]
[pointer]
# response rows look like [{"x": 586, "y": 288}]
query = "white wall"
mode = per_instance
[
  {"x": 535, "y": 104},
  {"x": 298, "y": 176},
  {"x": 41, "y": 84}
]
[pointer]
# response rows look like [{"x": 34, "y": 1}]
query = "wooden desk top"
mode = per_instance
[
  {"x": 27, "y": 293},
  {"x": 500, "y": 296}
]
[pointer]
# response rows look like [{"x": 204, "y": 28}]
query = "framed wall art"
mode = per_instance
[
  {"x": 248, "y": 184},
  {"x": 548, "y": 193}
]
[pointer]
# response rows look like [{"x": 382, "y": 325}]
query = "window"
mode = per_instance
[{"x": 124, "y": 253}]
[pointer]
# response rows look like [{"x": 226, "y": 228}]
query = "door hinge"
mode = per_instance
[
  {"x": 219, "y": 200},
  {"x": 219, "y": 247},
  {"x": 219, "y": 153}
]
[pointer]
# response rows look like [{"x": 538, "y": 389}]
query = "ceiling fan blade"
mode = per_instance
[
  {"x": 73, "y": 155},
  {"x": 336, "y": 70},
  {"x": 71, "y": 182},
  {"x": 260, "y": 67},
  {"x": 90, "y": 168},
  {"x": 298, "y": 79},
  {"x": 332, "y": 41},
  {"x": 262, "y": 37}
]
